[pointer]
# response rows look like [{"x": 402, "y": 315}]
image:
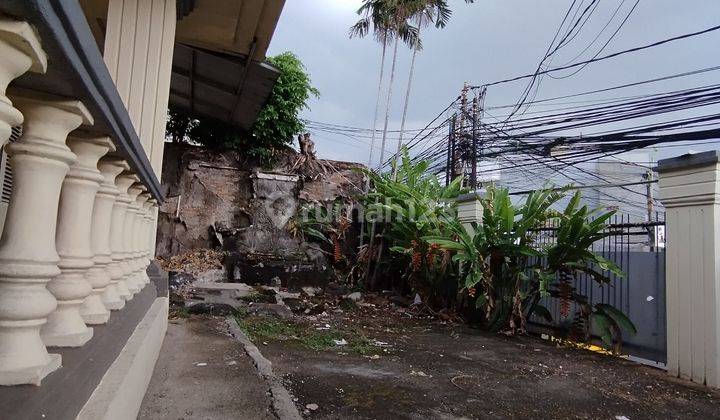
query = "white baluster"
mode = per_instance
[{"x": 28, "y": 257}]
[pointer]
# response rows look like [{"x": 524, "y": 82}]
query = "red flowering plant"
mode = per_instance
[{"x": 414, "y": 204}]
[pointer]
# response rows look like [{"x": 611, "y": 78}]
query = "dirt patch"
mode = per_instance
[{"x": 413, "y": 367}]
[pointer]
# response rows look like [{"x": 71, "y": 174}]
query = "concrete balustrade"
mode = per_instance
[
  {"x": 118, "y": 267},
  {"x": 66, "y": 327},
  {"x": 28, "y": 256},
  {"x": 93, "y": 309},
  {"x": 149, "y": 232},
  {"x": 131, "y": 270},
  {"x": 101, "y": 274},
  {"x": 153, "y": 230},
  {"x": 141, "y": 238},
  {"x": 21, "y": 52}
]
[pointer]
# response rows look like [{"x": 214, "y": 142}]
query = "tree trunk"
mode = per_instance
[
  {"x": 382, "y": 154},
  {"x": 377, "y": 103},
  {"x": 407, "y": 101},
  {"x": 372, "y": 140},
  {"x": 387, "y": 106}
]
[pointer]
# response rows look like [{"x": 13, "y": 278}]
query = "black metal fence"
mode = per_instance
[{"x": 639, "y": 250}]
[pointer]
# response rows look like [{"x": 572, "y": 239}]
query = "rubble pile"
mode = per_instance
[{"x": 193, "y": 262}]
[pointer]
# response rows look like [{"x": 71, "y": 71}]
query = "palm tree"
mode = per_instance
[
  {"x": 423, "y": 12},
  {"x": 373, "y": 16},
  {"x": 389, "y": 21}
]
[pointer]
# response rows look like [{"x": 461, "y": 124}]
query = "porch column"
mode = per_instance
[
  {"x": 117, "y": 228},
  {"x": 28, "y": 257},
  {"x": 131, "y": 278},
  {"x": 65, "y": 327},
  {"x": 101, "y": 273},
  {"x": 138, "y": 52},
  {"x": 20, "y": 51},
  {"x": 690, "y": 192}
]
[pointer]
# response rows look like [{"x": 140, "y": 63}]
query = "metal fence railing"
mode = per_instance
[{"x": 639, "y": 250}]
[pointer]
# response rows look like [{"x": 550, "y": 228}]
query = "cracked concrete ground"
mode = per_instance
[{"x": 203, "y": 373}]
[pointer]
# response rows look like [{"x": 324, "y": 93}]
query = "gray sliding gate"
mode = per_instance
[{"x": 639, "y": 250}]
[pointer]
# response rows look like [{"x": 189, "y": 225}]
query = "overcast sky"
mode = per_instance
[{"x": 484, "y": 42}]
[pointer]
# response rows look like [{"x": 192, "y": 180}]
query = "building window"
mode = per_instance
[{"x": 6, "y": 178}]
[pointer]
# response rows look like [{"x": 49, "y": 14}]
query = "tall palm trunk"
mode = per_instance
[
  {"x": 377, "y": 102},
  {"x": 382, "y": 157},
  {"x": 375, "y": 120},
  {"x": 407, "y": 101},
  {"x": 387, "y": 105}
]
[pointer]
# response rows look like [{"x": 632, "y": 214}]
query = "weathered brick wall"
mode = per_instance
[{"x": 212, "y": 196}]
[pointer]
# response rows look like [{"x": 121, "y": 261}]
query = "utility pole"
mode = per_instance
[
  {"x": 649, "y": 193},
  {"x": 450, "y": 152},
  {"x": 479, "y": 104},
  {"x": 473, "y": 169},
  {"x": 457, "y": 143},
  {"x": 463, "y": 105},
  {"x": 462, "y": 141}
]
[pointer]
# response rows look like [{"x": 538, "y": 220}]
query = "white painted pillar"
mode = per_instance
[
  {"x": 155, "y": 52},
  {"x": 28, "y": 257},
  {"x": 126, "y": 44},
  {"x": 100, "y": 276},
  {"x": 131, "y": 278},
  {"x": 20, "y": 51},
  {"x": 163, "y": 89},
  {"x": 139, "y": 63},
  {"x": 138, "y": 53},
  {"x": 117, "y": 229},
  {"x": 469, "y": 208},
  {"x": 65, "y": 327},
  {"x": 690, "y": 192}
]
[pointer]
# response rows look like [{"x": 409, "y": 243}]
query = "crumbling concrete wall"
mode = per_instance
[
  {"x": 202, "y": 189},
  {"x": 220, "y": 200}
]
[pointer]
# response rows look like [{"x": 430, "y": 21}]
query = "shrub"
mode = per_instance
[
  {"x": 277, "y": 124},
  {"x": 413, "y": 205},
  {"x": 505, "y": 274}
]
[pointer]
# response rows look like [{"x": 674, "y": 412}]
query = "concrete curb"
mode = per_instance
[
  {"x": 120, "y": 393},
  {"x": 283, "y": 404}
]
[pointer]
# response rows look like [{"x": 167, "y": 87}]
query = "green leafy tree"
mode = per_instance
[
  {"x": 179, "y": 124},
  {"x": 276, "y": 126},
  {"x": 279, "y": 121}
]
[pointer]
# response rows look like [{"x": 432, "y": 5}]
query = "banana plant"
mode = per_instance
[
  {"x": 571, "y": 256},
  {"x": 412, "y": 205},
  {"x": 493, "y": 256}
]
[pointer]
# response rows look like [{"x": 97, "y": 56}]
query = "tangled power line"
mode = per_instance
[{"x": 534, "y": 140}]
